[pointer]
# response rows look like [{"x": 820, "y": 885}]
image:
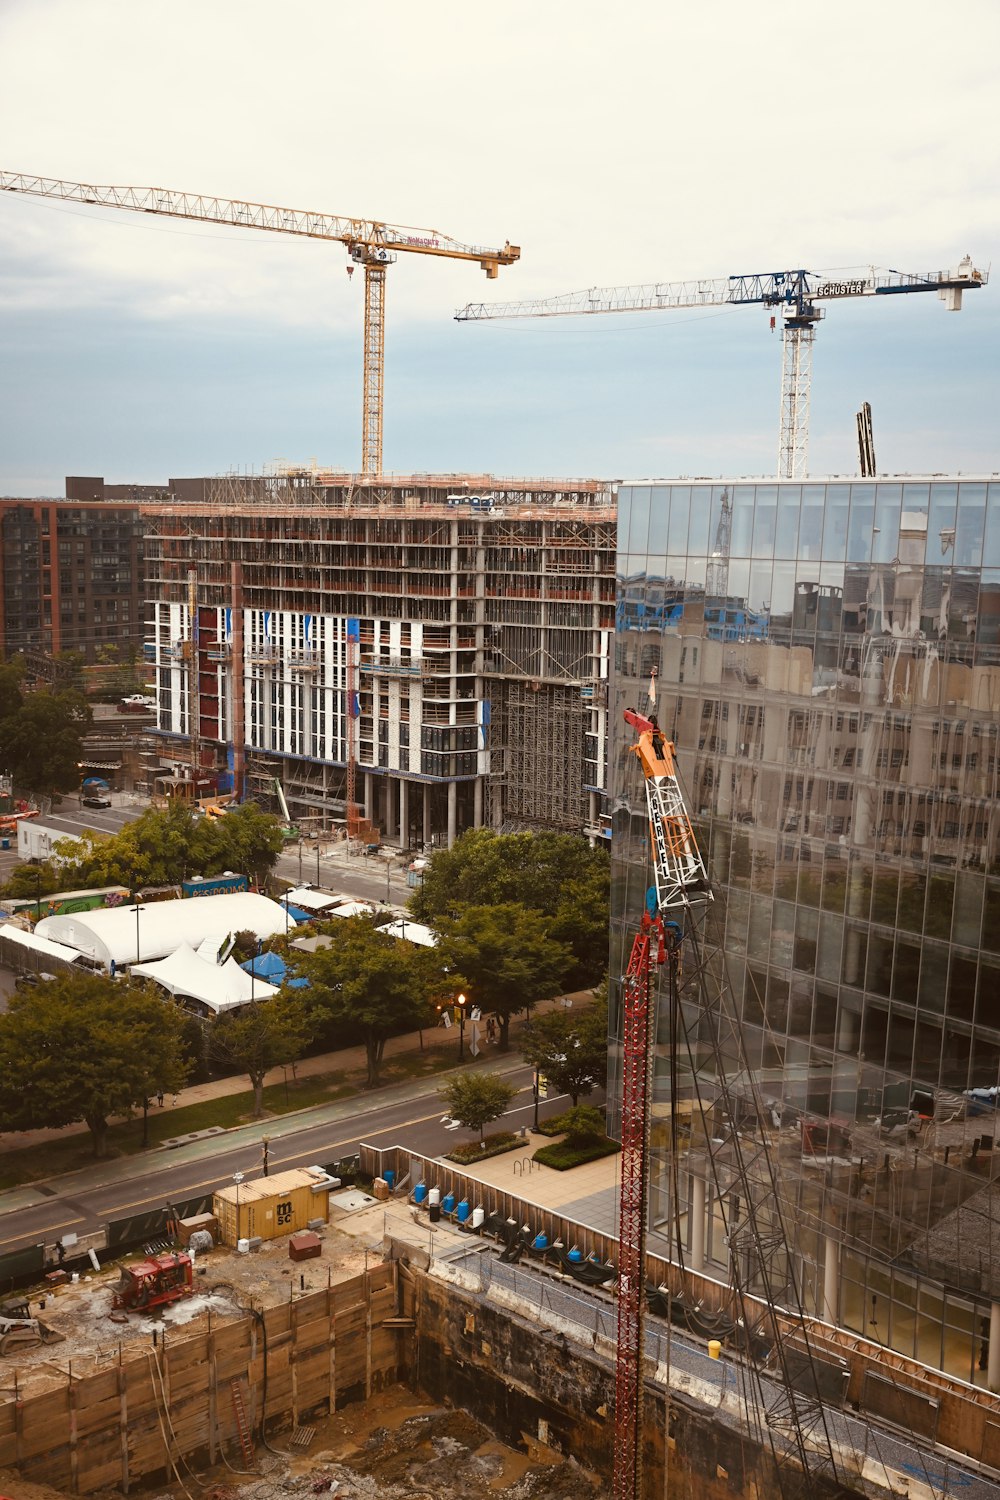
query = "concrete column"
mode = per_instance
[
  {"x": 427, "y": 815},
  {"x": 698, "y": 1196},
  {"x": 371, "y": 811},
  {"x": 831, "y": 1280},
  {"x": 404, "y": 813},
  {"x": 452, "y": 812},
  {"x": 390, "y": 807},
  {"x": 993, "y": 1359},
  {"x": 477, "y": 803}
]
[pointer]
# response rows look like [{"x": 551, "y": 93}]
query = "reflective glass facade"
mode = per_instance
[{"x": 827, "y": 661}]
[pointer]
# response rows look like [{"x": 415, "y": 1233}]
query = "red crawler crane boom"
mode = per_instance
[{"x": 680, "y": 878}]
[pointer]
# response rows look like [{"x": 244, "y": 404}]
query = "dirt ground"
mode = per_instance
[
  {"x": 396, "y": 1446},
  {"x": 399, "y": 1445},
  {"x": 91, "y": 1335}
]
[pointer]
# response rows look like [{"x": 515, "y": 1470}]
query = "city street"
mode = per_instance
[{"x": 409, "y": 1113}]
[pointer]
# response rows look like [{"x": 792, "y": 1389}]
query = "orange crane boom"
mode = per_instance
[
  {"x": 371, "y": 243},
  {"x": 787, "y": 1410}
]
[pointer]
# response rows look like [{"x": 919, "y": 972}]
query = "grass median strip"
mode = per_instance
[{"x": 74, "y": 1149}]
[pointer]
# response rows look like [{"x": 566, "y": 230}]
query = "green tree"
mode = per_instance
[
  {"x": 28, "y": 881},
  {"x": 556, "y": 874},
  {"x": 476, "y": 1099},
  {"x": 368, "y": 982},
  {"x": 167, "y": 844},
  {"x": 86, "y": 1047},
  {"x": 504, "y": 958},
  {"x": 570, "y": 1048},
  {"x": 259, "y": 1037},
  {"x": 246, "y": 840},
  {"x": 582, "y": 1124},
  {"x": 43, "y": 740},
  {"x": 11, "y": 695}
]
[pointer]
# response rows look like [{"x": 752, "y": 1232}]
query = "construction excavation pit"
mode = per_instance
[{"x": 222, "y": 1374}]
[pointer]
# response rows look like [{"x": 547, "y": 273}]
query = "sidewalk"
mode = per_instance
[{"x": 346, "y": 1060}]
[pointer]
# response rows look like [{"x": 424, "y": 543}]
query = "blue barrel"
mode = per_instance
[
  {"x": 389, "y": 1179},
  {"x": 463, "y": 1211},
  {"x": 447, "y": 1203},
  {"x": 420, "y": 1192},
  {"x": 541, "y": 1241},
  {"x": 575, "y": 1255}
]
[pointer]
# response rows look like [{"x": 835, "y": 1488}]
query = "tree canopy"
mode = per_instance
[
  {"x": 476, "y": 1099},
  {"x": 42, "y": 734},
  {"x": 369, "y": 983},
  {"x": 556, "y": 874},
  {"x": 504, "y": 958},
  {"x": 259, "y": 1037},
  {"x": 86, "y": 1047},
  {"x": 570, "y": 1047},
  {"x": 169, "y": 844}
]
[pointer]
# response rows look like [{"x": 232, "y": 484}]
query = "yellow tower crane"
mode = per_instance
[{"x": 370, "y": 243}]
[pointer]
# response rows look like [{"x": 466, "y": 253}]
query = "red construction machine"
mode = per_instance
[{"x": 154, "y": 1282}]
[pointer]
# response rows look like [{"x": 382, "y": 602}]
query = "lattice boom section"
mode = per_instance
[{"x": 631, "y": 1236}]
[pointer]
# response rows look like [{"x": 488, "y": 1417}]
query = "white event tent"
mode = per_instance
[
  {"x": 214, "y": 987},
  {"x": 126, "y": 934}
]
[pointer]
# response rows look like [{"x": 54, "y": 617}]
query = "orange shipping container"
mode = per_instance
[{"x": 270, "y": 1206}]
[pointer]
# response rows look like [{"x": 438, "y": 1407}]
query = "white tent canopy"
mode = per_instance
[
  {"x": 37, "y": 944},
  {"x": 352, "y": 909},
  {"x": 310, "y": 899},
  {"x": 217, "y": 987},
  {"x": 115, "y": 933},
  {"x": 413, "y": 932}
]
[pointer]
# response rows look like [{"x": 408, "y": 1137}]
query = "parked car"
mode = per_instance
[
  {"x": 30, "y": 978},
  {"x": 136, "y": 703},
  {"x": 95, "y": 799}
]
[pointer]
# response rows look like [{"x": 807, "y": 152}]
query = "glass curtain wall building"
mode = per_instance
[{"x": 826, "y": 658}]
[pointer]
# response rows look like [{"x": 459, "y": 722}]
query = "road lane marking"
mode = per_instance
[
  {"x": 19, "y": 1238},
  {"x": 191, "y": 1188}
]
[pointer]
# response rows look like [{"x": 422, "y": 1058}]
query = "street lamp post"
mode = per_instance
[
  {"x": 237, "y": 1178},
  {"x": 265, "y": 1142},
  {"x": 461, "y": 1028},
  {"x": 535, "y": 1092}
]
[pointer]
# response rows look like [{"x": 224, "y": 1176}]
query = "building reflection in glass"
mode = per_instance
[{"x": 827, "y": 660}]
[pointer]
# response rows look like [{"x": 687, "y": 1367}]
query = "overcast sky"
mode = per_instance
[{"x": 615, "y": 144}]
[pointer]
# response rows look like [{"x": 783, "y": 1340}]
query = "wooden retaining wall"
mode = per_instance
[{"x": 151, "y": 1409}]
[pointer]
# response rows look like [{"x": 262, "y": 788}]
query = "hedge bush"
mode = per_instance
[
  {"x": 564, "y": 1154},
  {"x": 493, "y": 1145}
]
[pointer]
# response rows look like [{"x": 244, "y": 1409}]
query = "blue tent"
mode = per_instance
[{"x": 272, "y": 968}]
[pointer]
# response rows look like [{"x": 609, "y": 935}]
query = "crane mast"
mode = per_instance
[
  {"x": 371, "y": 243},
  {"x": 680, "y": 879},
  {"x": 785, "y": 1405},
  {"x": 794, "y": 295}
]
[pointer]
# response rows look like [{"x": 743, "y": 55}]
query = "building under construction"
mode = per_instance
[{"x": 435, "y": 647}]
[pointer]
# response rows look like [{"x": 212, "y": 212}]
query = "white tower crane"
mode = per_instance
[
  {"x": 370, "y": 243},
  {"x": 793, "y": 294}
]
